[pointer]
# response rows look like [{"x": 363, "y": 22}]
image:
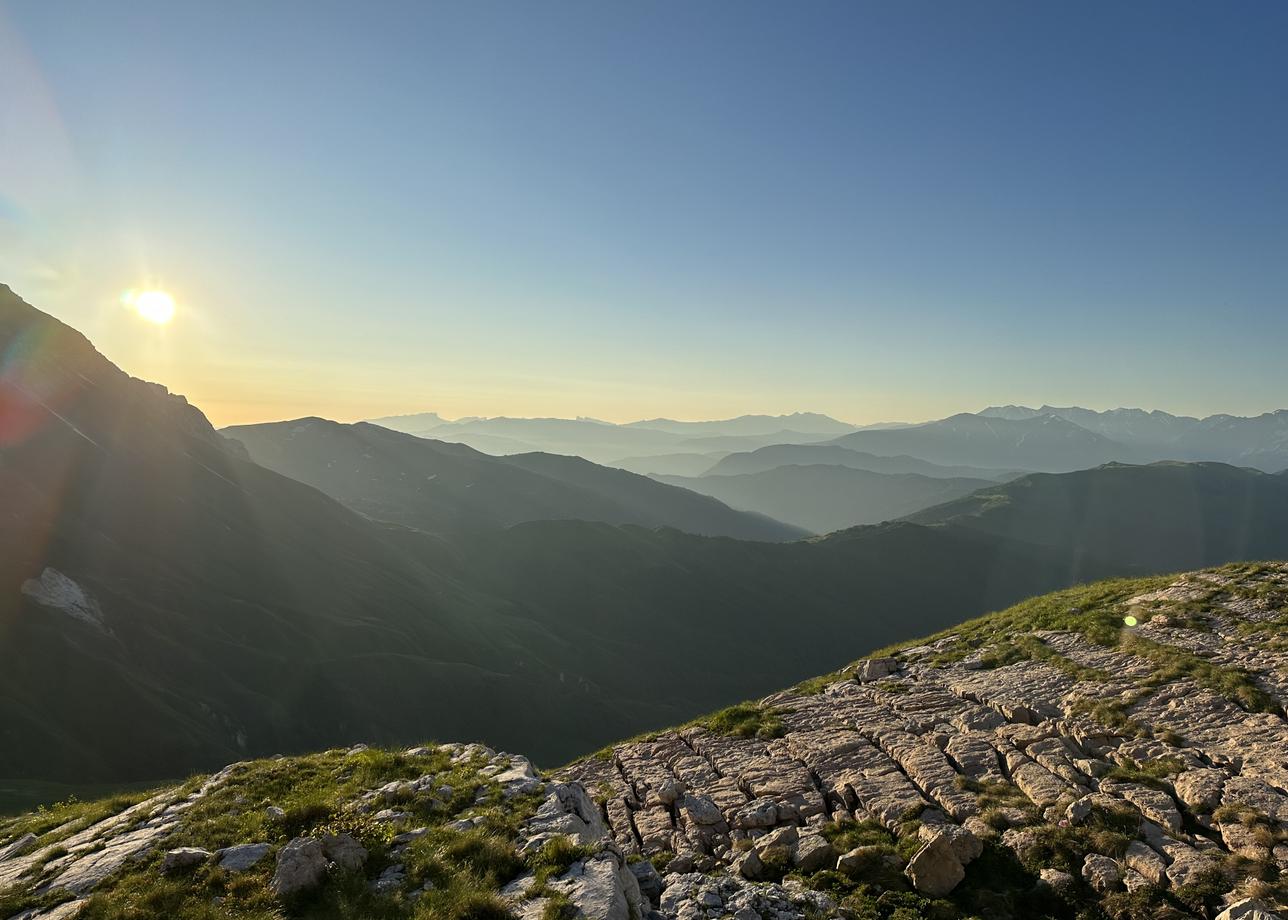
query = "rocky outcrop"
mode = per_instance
[
  {"x": 958, "y": 747},
  {"x": 1081, "y": 772}
]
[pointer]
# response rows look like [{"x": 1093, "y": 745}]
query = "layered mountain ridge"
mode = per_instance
[
  {"x": 166, "y": 604},
  {"x": 443, "y": 487}
]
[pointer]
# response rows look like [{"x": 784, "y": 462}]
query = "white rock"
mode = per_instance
[
  {"x": 183, "y": 857},
  {"x": 241, "y": 857},
  {"x": 935, "y": 869},
  {"x": 301, "y": 865}
]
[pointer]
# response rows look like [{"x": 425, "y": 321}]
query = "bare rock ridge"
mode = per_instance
[
  {"x": 1113, "y": 751},
  {"x": 1169, "y": 752}
]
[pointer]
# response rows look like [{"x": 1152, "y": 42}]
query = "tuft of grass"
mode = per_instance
[
  {"x": 746, "y": 720},
  {"x": 846, "y": 835},
  {"x": 1111, "y": 713},
  {"x": 1153, "y": 773},
  {"x": 554, "y": 859},
  {"x": 559, "y": 907}
]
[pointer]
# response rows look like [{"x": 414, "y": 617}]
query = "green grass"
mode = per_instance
[
  {"x": 1153, "y": 773},
  {"x": 463, "y": 869},
  {"x": 1172, "y": 663},
  {"x": 23, "y": 897},
  {"x": 71, "y": 812},
  {"x": 1111, "y": 713},
  {"x": 846, "y": 835},
  {"x": 554, "y": 859},
  {"x": 746, "y": 720},
  {"x": 1095, "y": 610}
]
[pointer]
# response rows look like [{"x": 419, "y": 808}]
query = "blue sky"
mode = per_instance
[{"x": 875, "y": 210}]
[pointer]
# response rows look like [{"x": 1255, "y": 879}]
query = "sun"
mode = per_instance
[{"x": 154, "y": 306}]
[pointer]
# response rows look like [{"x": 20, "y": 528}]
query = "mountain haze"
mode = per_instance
[
  {"x": 1044, "y": 443},
  {"x": 767, "y": 458},
  {"x": 826, "y": 498},
  {"x": 441, "y": 487},
  {"x": 1259, "y": 441},
  {"x": 167, "y": 604},
  {"x": 605, "y": 442}
]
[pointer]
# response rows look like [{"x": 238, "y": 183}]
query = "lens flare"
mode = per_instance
[
  {"x": 154, "y": 306},
  {"x": 1130, "y": 620}
]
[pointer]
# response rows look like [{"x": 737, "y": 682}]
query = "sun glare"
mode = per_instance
[{"x": 154, "y": 306}]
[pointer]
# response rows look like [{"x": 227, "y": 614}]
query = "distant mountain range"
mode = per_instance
[
  {"x": 442, "y": 488},
  {"x": 1260, "y": 441},
  {"x": 605, "y": 442},
  {"x": 169, "y": 605},
  {"x": 990, "y": 443},
  {"x": 1044, "y": 443}
]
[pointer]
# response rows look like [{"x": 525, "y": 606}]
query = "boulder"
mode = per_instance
[
  {"x": 865, "y": 861},
  {"x": 870, "y": 669},
  {"x": 966, "y": 846},
  {"x": 20, "y": 847},
  {"x": 301, "y": 866},
  {"x": 596, "y": 888},
  {"x": 241, "y": 857},
  {"x": 183, "y": 858},
  {"x": 1101, "y": 873},
  {"x": 779, "y": 838},
  {"x": 568, "y": 811},
  {"x": 1247, "y": 909},
  {"x": 670, "y": 791},
  {"x": 760, "y": 813},
  {"x": 812, "y": 853},
  {"x": 748, "y": 865},
  {"x": 1060, "y": 882},
  {"x": 1145, "y": 860},
  {"x": 935, "y": 869},
  {"x": 344, "y": 851},
  {"x": 699, "y": 809}
]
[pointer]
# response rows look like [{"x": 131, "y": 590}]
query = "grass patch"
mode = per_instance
[
  {"x": 1111, "y": 713},
  {"x": 1153, "y": 773},
  {"x": 846, "y": 835},
  {"x": 460, "y": 871},
  {"x": 1172, "y": 663},
  {"x": 554, "y": 859},
  {"x": 746, "y": 720},
  {"x": 68, "y": 816}
]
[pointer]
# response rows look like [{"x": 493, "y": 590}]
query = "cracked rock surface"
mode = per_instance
[{"x": 1118, "y": 751}]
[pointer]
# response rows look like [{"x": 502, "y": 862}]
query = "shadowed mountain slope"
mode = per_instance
[
  {"x": 167, "y": 605},
  {"x": 1109, "y": 752},
  {"x": 826, "y": 498},
  {"x": 1157, "y": 516},
  {"x": 694, "y": 464},
  {"x": 440, "y": 487}
]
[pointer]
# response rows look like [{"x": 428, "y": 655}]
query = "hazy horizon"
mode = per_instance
[{"x": 878, "y": 212}]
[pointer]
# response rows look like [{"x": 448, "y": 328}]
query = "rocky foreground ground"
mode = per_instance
[{"x": 1112, "y": 751}]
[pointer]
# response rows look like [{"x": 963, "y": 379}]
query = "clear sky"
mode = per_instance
[{"x": 890, "y": 210}]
